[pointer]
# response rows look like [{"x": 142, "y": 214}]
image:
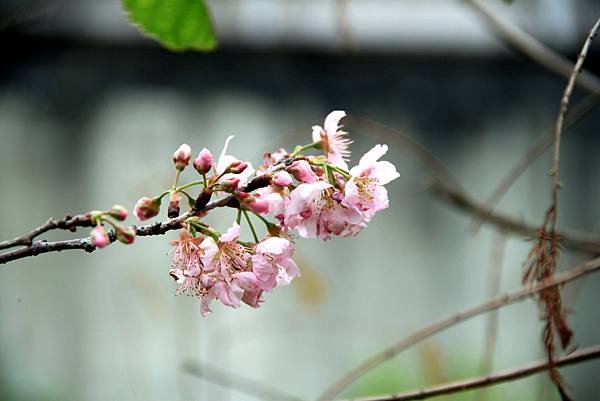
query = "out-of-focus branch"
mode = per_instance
[
  {"x": 578, "y": 356},
  {"x": 443, "y": 324},
  {"x": 447, "y": 188},
  {"x": 571, "y": 239},
  {"x": 532, "y": 48},
  {"x": 498, "y": 250},
  {"x": 213, "y": 374},
  {"x": 536, "y": 150}
]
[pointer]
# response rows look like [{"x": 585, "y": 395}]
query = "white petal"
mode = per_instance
[
  {"x": 372, "y": 156},
  {"x": 332, "y": 121}
]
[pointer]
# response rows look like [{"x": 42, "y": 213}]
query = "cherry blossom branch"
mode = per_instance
[
  {"x": 158, "y": 228},
  {"x": 445, "y": 323},
  {"x": 244, "y": 385},
  {"x": 532, "y": 48},
  {"x": 578, "y": 356}
]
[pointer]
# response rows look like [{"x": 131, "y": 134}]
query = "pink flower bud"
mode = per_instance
[
  {"x": 257, "y": 205},
  {"x": 230, "y": 184},
  {"x": 237, "y": 167},
  {"x": 204, "y": 161},
  {"x": 182, "y": 156},
  {"x": 99, "y": 237},
  {"x": 302, "y": 171},
  {"x": 146, "y": 208},
  {"x": 282, "y": 179},
  {"x": 126, "y": 234},
  {"x": 117, "y": 212},
  {"x": 173, "y": 210}
]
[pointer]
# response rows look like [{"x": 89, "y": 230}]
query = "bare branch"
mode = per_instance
[
  {"x": 532, "y": 48},
  {"x": 443, "y": 324},
  {"x": 536, "y": 150},
  {"x": 564, "y": 106},
  {"x": 254, "y": 388},
  {"x": 68, "y": 223},
  {"x": 447, "y": 188},
  {"x": 581, "y": 355}
]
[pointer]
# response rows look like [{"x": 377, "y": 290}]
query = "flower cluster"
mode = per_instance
[{"x": 311, "y": 196}]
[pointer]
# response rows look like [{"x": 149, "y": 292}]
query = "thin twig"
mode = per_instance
[
  {"x": 448, "y": 189},
  {"x": 564, "y": 106},
  {"x": 494, "y": 283},
  {"x": 540, "y": 145},
  {"x": 68, "y": 223},
  {"x": 443, "y": 324},
  {"x": 158, "y": 228},
  {"x": 578, "y": 356},
  {"x": 569, "y": 238},
  {"x": 254, "y": 388},
  {"x": 532, "y": 48}
]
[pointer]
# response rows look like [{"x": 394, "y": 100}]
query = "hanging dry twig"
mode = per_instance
[
  {"x": 543, "y": 258},
  {"x": 443, "y": 324}
]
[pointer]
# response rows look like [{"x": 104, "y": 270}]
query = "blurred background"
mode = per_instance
[{"x": 91, "y": 112}]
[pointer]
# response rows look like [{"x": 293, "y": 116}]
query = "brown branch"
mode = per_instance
[
  {"x": 68, "y": 223},
  {"x": 532, "y": 48},
  {"x": 443, "y": 324},
  {"x": 564, "y": 106},
  {"x": 541, "y": 144},
  {"x": 448, "y": 189},
  {"x": 571, "y": 239},
  {"x": 158, "y": 228},
  {"x": 578, "y": 356},
  {"x": 254, "y": 388}
]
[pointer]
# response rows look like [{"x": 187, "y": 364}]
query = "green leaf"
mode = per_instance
[{"x": 177, "y": 24}]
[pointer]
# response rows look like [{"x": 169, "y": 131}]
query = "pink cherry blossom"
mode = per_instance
[
  {"x": 282, "y": 179},
  {"x": 302, "y": 171},
  {"x": 204, "y": 161},
  {"x": 315, "y": 210},
  {"x": 225, "y": 161},
  {"x": 365, "y": 189},
  {"x": 222, "y": 259},
  {"x": 182, "y": 156},
  {"x": 99, "y": 237},
  {"x": 146, "y": 208},
  {"x": 187, "y": 267},
  {"x": 272, "y": 263},
  {"x": 333, "y": 142}
]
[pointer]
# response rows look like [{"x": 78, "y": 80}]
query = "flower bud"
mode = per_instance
[
  {"x": 230, "y": 184},
  {"x": 117, "y": 212},
  {"x": 237, "y": 167},
  {"x": 182, "y": 156},
  {"x": 146, "y": 208},
  {"x": 99, "y": 237},
  {"x": 204, "y": 161},
  {"x": 302, "y": 171},
  {"x": 282, "y": 179},
  {"x": 257, "y": 205},
  {"x": 173, "y": 210},
  {"x": 126, "y": 234}
]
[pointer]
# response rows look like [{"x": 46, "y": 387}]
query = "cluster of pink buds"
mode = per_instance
[
  {"x": 312, "y": 196},
  {"x": 99, "y": 236}
]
